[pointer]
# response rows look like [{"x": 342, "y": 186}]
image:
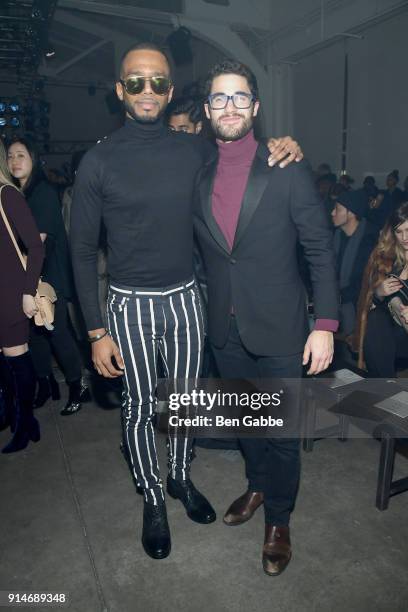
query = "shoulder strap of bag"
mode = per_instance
[{"x": 10, "y": 231}]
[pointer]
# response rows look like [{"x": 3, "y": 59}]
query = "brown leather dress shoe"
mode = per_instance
[
  {"x": 277, "y": 551},
  {"x": 243, "y": 508}
]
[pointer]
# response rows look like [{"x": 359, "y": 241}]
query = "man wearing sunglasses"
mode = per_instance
[
  {"x": 139, "y": 182},
  {"x": 248, "y": 221}
]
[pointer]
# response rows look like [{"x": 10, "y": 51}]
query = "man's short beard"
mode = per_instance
[
  {"x": 142, "y": 118},
  {"x": 232, "y": 133}
]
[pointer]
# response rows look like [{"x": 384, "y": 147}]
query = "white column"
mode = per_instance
[{"x": 280, "y": 86}]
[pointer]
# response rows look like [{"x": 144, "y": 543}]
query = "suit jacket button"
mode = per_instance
[{"x": 233, "y": 261}]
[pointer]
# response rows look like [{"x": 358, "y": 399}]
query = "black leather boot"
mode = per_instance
[
  {"x": 197, "y": 506},
  {"x": 27, "y": 427},
  {"x": 78, "y": 394},
  {"x": 47, "y": 387},
  {"x": 156, "y": 533},
  {"x": 7, "y": 408},
  {"x": 4, "y": 420}
]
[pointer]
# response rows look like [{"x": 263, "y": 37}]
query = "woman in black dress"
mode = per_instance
[
  {"x": 17, "y": 306},
  {"x": 25, "y": 166}
]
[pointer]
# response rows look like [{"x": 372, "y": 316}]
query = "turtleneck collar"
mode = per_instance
[
  {"x": 238, "y": 151},
  {"x": 146, "y": 131}
]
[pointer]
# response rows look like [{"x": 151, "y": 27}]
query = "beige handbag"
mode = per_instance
[{"x": 45, "y": 296}]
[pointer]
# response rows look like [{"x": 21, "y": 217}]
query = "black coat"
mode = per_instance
[
  {"x": 43, "y": 201},
  {"x": 260, "y": 277},
  {"x": 352, "y": 257}
]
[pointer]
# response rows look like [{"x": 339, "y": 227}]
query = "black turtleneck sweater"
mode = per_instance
[{"x": 139, "y": 181}]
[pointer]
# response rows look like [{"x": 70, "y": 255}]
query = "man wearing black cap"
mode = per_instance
[{"x": 354, "y": 239}]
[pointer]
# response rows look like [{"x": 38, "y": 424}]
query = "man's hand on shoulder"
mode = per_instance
[
  {"x": 284, "y": 151},
  {"x": 319, "y": 347}
]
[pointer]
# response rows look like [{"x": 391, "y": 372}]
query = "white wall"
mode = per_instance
[{"x": 378, "y": 102}]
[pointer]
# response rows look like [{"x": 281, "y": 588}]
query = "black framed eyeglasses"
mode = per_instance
[
  {"x": 135, "y": 84},
  {"x": 240, "y": 99}
]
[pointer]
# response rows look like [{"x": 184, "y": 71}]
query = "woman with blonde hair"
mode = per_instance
[
  {"x": 380, "y": 337},
  {"x": 17, "y": 307}
]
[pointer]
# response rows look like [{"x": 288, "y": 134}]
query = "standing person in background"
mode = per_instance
[
  {"x": 25, "y": 166},
  {"x": 393, "y": 191},
  {"x": 354, "y": 240},
  {"x": 347, "y": 181},
  {"x": 185, "y": 115},
  {"x": 379, "y": 207},
  {"x": 383, "y": 202},
  {"x": 17, "y": 306},
  {"x": 369, "y": 183},
  {"x": 323, "y": 169},
  {"x": 68, "y": 191}
]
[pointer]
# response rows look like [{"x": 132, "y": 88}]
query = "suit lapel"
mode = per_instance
[
  {"x": 257, "y": 182},
  {"x": 206, "y": 190}
]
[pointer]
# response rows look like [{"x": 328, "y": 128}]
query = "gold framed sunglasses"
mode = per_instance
[{"x": 135, "y": 84}]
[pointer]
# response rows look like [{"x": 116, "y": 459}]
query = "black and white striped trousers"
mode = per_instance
[{"x": 143, "y": 322}]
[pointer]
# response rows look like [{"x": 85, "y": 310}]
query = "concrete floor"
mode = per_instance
[{"x": 70, "y": 522}]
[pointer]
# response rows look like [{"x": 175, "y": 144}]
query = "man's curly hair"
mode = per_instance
[{"x": 231, "y": 66}]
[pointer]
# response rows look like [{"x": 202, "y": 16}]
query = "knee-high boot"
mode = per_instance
[
  {"x": 24, "y": 379},
  {"x": 7, "y": 408}
]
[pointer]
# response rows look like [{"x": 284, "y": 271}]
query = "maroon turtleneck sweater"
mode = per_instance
[{"x": 234, "y": 165}]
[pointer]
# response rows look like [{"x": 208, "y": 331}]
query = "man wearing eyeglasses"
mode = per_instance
[
  {"x": 248, "y": 220},
  {"x": 139, "y": 182}
]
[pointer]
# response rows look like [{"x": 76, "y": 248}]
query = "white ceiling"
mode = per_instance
[{"x": 89, "y": 34}]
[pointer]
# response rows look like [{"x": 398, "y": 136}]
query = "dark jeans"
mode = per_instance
[
  {"x": 384, "y": 342},
  {"x": 272, "y": 464},
  {"x": 61, "y": 340}
]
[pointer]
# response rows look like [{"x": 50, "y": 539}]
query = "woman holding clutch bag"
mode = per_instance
[
  {"x": 382, "y": 333},
  {"x": 25, "y": 166},
  {"x": 17, "y": 306}
]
